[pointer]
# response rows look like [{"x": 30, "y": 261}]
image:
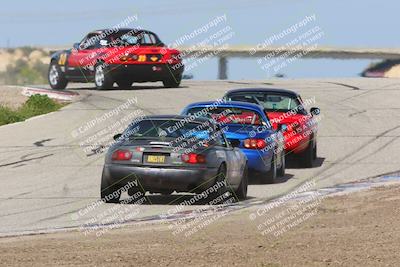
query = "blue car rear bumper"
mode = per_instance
[{"x": 258, "y": 160}]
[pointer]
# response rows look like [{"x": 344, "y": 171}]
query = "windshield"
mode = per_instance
[
  {"x": 131, "y": 38},
  {"x": 168, "y": 129},
  {"x": 228, "y": 115},
  {"x": 269, "y": 101}
]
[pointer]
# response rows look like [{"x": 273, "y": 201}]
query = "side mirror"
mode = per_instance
[
  {"x": 282, "y": 127},
  {"x": 234, "y": 143},
  {"x": 117, "y": 136},
  {"x": 315, "y": 111},
  {"x": 76, "y": 46}
]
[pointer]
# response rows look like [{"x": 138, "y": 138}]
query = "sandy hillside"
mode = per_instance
[
  {"x": 8, "y": 57},
  {"x": 11, "y": 96}
]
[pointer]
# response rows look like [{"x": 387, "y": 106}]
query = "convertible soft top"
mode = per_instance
[{"x": 264, "y": 90}]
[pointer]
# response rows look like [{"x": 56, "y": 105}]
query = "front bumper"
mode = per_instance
[
  {"x": 145, "y": 72},
  {"x": 158, "y": 179}
]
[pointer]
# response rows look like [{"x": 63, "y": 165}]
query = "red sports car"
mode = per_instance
[
  {"x": 286, "y": 110},
  {"x": 123, "y": 56}
]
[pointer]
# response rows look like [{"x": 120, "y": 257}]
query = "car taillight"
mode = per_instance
[
  {"x": 122, "y": 155},
  {"x": 124, "y": 58},
  {"x": 132, "y": 57},
  {"x": 254, "y": 143},
  {"x": 193, "y": 158}
]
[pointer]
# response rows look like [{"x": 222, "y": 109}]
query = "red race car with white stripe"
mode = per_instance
[{"x": 123, "y": 56}]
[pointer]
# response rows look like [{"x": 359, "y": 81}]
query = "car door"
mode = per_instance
[
  {"x": 240, "y": 162},
  {"x": 234, "y": 159},
  {"x": 81, "y": 61}
]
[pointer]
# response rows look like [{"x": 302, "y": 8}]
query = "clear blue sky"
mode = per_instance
[{"x": 361, "y": 23}]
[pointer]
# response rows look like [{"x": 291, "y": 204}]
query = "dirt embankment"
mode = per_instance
[
  {"x": 11, "y": 96},
  {"x": 8, "y": 57},
  {"x": 383, "y": 69},
  {"x": 24, "y": 65},
  {"x": 361, "y": 229}
]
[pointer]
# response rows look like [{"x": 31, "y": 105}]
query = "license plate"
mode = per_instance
[{"x": 156, "y": 159}]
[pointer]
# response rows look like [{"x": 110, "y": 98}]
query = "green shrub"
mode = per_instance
[
  {"x": 37, "y": 105},
  {"x": 8, "y": 115},
  {"x": 34, "y": 106}
]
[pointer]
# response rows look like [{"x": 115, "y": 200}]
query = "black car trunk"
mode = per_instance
[{"x": 154, "y": 153}]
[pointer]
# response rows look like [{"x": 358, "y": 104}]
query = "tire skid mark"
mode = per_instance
[
  {"x": 73, "y": 175},
  {"x": 55, "y": 216},
  {"x": 37, "y": 209},
  {"x": 348, "y": 155},
  {"x": 89, "y": 101},
  {"x": 24, "y": 159},
  {"x": 121, "y": 101},
  {"x": 345, "y": 85},
  {"x": 357, "y": 113},
  {"x": 364, "y": 157}
]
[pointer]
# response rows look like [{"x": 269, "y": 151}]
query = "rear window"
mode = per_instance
[
  {"x": 228, "y": 115},
  {"x": 120, "y": 39},
  {"x": 168, "y": 129},
  {"x": 131, "y": 38},
  {"x": 269, "y": 101},
  {"x": 176, "y": 132}
]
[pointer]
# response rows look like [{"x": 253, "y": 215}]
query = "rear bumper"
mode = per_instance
[
  {"x": 258, "y": 160},
  {"x": 297, "y": 142},
  {"x": 146, "y": 72},
  {"x": 156, "y": 179}
]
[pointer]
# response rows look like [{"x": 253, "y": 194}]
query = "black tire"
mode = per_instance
[
  {"x": 241, "y": 192},
  {"x": 172, "y": 82},
  {"x": 109, "y": 193},
  {"x": 124, "y": 84},
  {"x": 133, "y": 190},
  {"x": 221, "y": 190},
  {"x": 56, "y": 77},
  {"x": 282, "y": 169},
  {"x": 270, "y": 176},
  {"x": 102, "y": 77},
  {"x": 315, "y": 151},
  {"x": 307, "y": 156},
  {"x": 167, "y": 193}
]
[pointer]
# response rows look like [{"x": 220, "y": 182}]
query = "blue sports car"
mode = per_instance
[{"x": 246, "y": 126}]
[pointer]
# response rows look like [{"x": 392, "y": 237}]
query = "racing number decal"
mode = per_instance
[{"x": 62, "y": 59}]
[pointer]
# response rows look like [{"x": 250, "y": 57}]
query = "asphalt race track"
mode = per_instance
[{"x": 46, "y": 177}]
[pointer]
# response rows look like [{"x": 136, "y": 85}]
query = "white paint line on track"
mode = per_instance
[{"x": 59, "y": 95}]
